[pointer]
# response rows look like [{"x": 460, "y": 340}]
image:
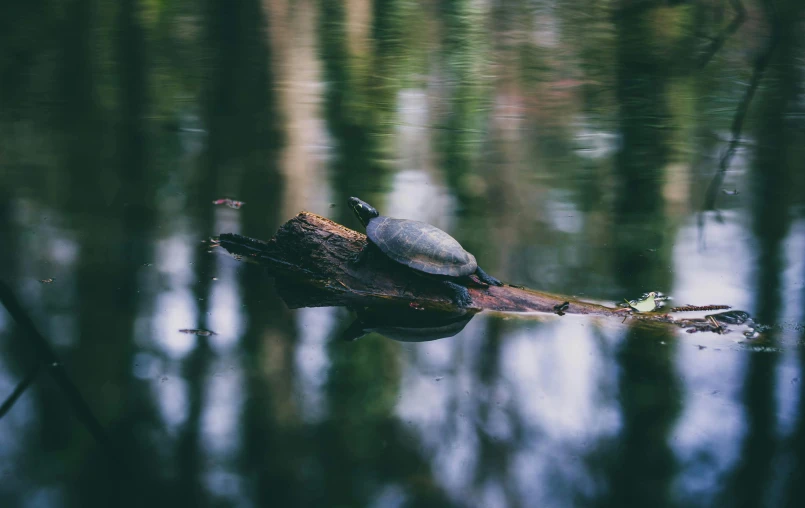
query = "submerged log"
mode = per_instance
[{"x": 311, "y": 256}]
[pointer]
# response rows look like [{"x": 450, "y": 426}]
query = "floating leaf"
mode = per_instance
[
  {"x": 646, "y": 304},
  {"x": 231, "y": 203}
]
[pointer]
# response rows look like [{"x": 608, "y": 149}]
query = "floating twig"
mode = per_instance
[
  {"x": 197, "y": 331},
  {"x": 690, "y": 308}
]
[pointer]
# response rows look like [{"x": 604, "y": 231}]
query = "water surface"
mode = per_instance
[{"x": 568, "y": 145}]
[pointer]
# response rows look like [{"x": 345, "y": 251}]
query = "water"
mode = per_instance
[{"x": 568, "y": 145}]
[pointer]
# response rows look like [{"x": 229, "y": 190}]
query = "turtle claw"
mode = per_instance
[
  {"x": 486, "y": 278},
  {"x": 461, "y": 296}
]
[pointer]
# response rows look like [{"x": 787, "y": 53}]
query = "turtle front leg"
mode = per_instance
[
  {"x": 485, "y": 277},
  {"x": 461, "y": 296}
]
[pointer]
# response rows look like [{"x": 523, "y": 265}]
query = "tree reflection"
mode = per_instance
[
  {"x": 496, "y": 454},
  {"x": 108, "y": 296},
  {"x": 794, "y": 490},
  {"x": 771, "y": 177},
  {"x": 348, "y": 109},
  {"x": 244, "y": 140},
  {"x": 361, "y": 431},
  {"x": 649, "y": 390}
]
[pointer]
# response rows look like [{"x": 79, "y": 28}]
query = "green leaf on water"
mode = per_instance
[{"x": 647, "y": 304}]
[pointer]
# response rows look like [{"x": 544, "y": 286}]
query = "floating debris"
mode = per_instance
[
  {"x": 732, "y": 317},
  {"x": 46, "y": 281},
  {"x": 231, "y": 203},
  {"x": 716, "y": 323},
  {"x": 730, "y": 192},
  {"x": 197, "y": 331}
]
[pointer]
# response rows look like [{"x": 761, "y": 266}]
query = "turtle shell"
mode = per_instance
[{"x": 421, "y": 246}]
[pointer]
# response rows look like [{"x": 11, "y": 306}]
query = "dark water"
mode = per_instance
[{"x": 568, "y": 145}]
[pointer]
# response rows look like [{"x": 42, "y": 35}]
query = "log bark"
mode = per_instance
[{"x": 311, "y": 257}]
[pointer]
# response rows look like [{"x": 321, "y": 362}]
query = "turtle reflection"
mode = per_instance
[{"x": 405, "y": 324}]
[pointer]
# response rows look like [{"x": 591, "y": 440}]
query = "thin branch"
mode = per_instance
[
  {"x": 721, "y": 38},
  {"x": 740, "y": 114},
  {"x": 46, "y": 356},
  {"x": 19, "y": 390}
]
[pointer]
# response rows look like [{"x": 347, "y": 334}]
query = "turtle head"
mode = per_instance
[{"x": 363, "y": 210}]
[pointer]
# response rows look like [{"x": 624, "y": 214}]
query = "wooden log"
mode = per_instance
[{"x": 311, "y": 256}]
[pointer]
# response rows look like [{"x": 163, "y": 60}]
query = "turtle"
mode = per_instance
[{"x": 422, "y": 247}]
